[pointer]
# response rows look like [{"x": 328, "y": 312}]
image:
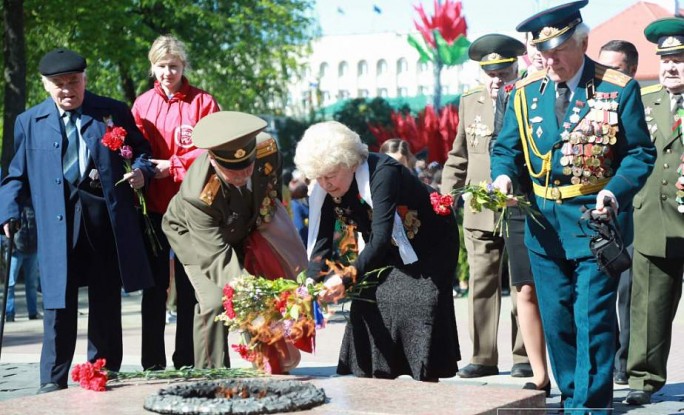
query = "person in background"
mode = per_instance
[
  {"x": 399, "y": 150},
  {"x": 166, "y": 115},
  {"x": 468, "y": 163},
  {"x": 406, "y": 325},
  {"x": 24, "y": 258},
  {"x": 519, "y": 266},
  {"x": 658, "y": 260},
  {"x": 299, "y": 203},
  {"x": 552, "y": 115},
  {"x": 227, "y": 219},
  {"x": 624, "y": 57},
  {"x": 88, "y": 232}
]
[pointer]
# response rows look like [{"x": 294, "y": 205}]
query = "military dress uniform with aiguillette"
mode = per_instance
[
  {"x": 207, "y": 223},
  {"x": 658, "y": 260},
  {"x": 468, "y": 163},
  {"x": 601, "y": 142}
]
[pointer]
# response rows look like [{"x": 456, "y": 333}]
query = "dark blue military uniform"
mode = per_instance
[{"x": 600, "y": 143}]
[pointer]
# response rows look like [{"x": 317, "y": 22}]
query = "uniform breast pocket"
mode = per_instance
[{"x": 479, "y": 144}]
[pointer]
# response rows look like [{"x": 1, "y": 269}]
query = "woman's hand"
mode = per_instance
[
  {"x": 161, "y": 168},
  {"x": 334, "y": 289}
]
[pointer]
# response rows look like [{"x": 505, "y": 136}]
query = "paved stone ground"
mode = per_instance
[{"x": 22, "y": 343}]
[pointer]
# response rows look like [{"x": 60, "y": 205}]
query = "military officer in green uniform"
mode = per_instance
[
  {"x": 658, "y": 261},
  {"x": 579, "y": 128},
  {"x": 468, "y": 163},
  {"x": 228, "y": 193}
]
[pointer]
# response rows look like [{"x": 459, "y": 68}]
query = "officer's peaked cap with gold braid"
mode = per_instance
[
  {"x": 495, "y": 51},
  {"x": 230, "y": 137}
]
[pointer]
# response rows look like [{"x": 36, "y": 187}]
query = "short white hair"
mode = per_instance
[
  {"x": 581, "y": 32},
  {"x": 326, "y": 146}
]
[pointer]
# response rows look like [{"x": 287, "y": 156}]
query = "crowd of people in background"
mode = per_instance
[{"x": 567, "y": 132}]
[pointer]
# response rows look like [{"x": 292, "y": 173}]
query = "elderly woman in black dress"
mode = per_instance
[{"x": 408, "y": 327}]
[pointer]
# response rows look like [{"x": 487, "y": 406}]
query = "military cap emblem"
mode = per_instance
[
  {"x": 240, "y": 153},
  {"x": 671, "y": 41}
]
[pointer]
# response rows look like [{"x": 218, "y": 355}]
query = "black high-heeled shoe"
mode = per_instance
[{"x": 532, "y": 386}]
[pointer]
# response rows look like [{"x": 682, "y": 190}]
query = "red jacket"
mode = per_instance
[{"x": 167, "y": 124}]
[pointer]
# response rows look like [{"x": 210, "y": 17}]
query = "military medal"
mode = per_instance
[
  {"x": 574, "y": 118},
  {"x": 534, "y": 103}
]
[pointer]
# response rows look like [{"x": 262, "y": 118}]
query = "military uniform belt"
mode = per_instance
[{"x": 558, "y": 193}]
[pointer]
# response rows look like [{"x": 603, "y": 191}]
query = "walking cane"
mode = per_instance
[{"x": 10, "y": 246}]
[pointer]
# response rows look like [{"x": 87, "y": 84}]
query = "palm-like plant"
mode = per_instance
[{"x": 443, "y": 40}]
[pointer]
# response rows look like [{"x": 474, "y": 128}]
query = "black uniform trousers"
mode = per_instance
[
  {"x": 92, "y": 262},
  {"x": 153, "y": 307}
]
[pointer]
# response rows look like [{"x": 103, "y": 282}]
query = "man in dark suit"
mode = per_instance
[
  {"x": 88, "y": 232},
  {"x": 579, "y": 128}
]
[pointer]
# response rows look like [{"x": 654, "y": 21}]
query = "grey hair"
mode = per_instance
[
  {"x": 581, "y": 32},
  {"x": 326, "y": 146}
]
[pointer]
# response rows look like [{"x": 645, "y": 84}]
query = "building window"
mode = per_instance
[
  {"x": 382, "y": 92},
  {"x": 323, "y": 70},
  {"x": 362, "y": 93},
  {"x": 402, "y": 66},
  {"x": 422, "y": 90},
  {"x": 402, "y": 92},
  {"x": 381, "y": 67},
  {"x": 423, "y": 67},
  {"x": 342, "y": 94},
  {"x": 445, "y": 90},
  {"x": 342, "y": 69},
  {"x": 362, "y": 68}
]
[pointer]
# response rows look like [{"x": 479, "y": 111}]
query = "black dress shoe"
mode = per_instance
[
  {"x": 476, "y": 371},
  {"x": 521, "y": 370},
  {"x": 620, "y": 378},
  {"x": 49, "y": 387},
  {"x": 532, "y": 386},
  {"x": 635, "y": 397}
]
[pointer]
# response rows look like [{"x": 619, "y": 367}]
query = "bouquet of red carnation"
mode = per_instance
[
  {"x": 114, "y": 139},
  {"x": 91, "y": 376},
  {"x": 274, "y": 316}
]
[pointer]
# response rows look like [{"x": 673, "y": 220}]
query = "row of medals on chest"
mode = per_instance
[{"x": 586, "y": 149}]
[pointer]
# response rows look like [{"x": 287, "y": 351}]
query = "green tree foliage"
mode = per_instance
[
  {"x": 241, "y": 51},
  {"x": 358, "y": 112}
]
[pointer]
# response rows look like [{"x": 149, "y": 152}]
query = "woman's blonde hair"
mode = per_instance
[
  {"x": 167, "y": 45},
  {"x": 326, "y": 146}
]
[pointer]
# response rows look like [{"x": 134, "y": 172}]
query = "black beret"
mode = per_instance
[{"x": 61, "y": 61}]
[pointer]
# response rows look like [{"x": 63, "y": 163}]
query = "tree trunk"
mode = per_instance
[
  {"x": 14, "y": 54},
  {"x": 128, "y": 85}
]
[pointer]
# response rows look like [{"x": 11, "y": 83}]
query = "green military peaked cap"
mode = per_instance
[
  {"x": 495, "y": 51},
  {"x": 230, "y": 137},
  {"x": 552, "y": 27},
  {"x": 668, "y": 34}
]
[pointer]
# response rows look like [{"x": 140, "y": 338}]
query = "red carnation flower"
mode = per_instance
[
  {"x": 441, "y": 204},
  {"x": 114, "y": 138}
]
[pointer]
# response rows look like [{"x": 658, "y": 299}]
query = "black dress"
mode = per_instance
[{"x": 409, "y": 327}]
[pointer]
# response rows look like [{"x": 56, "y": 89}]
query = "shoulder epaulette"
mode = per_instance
[
  {"x": 211, "y": 188},
  {"x": 471, "y": 91},
  {"x": 611, "y": 75},
  {"x": 651, "y": 89},
  {"x": 266, "y": 148},
  {"x": 530, "y": 78}
]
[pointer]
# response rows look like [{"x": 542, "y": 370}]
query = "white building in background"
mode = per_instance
[{"x": 370, "y": 65}]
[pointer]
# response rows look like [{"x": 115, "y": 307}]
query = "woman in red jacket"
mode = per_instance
[{"x": 166, "y": 115}]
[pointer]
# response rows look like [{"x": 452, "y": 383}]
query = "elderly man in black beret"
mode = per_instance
[{"x": 88, "y": 232}]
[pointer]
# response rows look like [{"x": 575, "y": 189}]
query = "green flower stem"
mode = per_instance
[{"x": 185, "y": 373}]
